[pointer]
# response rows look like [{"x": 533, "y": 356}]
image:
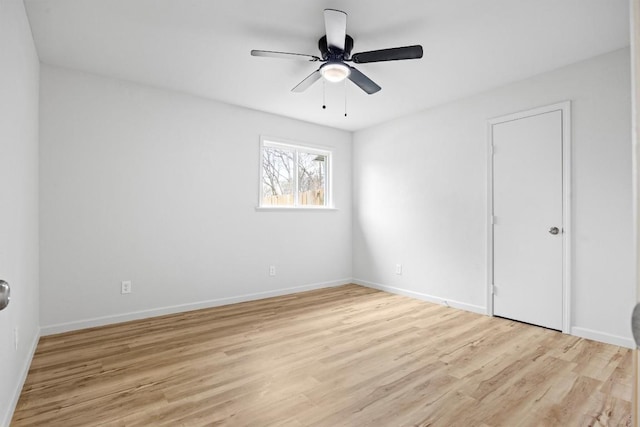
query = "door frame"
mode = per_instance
[{"x": 565, "y": 108}]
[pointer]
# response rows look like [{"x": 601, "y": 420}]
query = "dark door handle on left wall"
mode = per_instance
[
  {"x": 5, "y": 294},
  {"x": 635, "y": 324}
]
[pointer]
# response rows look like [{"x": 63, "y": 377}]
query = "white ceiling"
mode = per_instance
[{"x": 202, "y": 47}]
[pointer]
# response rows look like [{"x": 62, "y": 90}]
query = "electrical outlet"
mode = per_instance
[
  {"x": 272, "y": 270},
  {"x": 15, "y": 338},
  {"x": 125, "y": 287},
  {"x": 399, "y": 269}
]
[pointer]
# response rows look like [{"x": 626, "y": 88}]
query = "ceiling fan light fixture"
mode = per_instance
[
  {"x": 335, "y": 72},
  {"x": 335, "y": 49}
]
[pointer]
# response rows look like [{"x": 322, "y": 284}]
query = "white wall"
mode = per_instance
[
  {"x": 18, "y": 200},
  {"x": 160, "y": 188},
  {"x": 420, "y": 192}
]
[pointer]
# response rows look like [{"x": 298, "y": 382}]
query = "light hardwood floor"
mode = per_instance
[{"x": 340, "y": 356}]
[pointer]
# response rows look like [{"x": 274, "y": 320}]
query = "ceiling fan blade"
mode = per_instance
[
  {"x": 363, "y": 82},
  {"x": 284, "y": 55},
  {"x": 335, "y": 24},
  {"x": 307, "y": 82},
  {"x": 393, "y": 54}
]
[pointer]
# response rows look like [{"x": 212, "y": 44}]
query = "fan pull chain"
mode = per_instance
[
  {"x": 324, "y": 103},
  {"x": 345, "y": 97}
]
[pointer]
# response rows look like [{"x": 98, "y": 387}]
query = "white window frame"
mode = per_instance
[{"x": 266, "y": 141}]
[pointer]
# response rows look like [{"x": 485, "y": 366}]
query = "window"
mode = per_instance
[{"x": 294, "y": 176}]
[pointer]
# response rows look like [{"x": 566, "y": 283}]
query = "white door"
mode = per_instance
[{"x": 528, "y": 229}]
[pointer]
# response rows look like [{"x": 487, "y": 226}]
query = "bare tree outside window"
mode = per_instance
[
  {"x": 293, "y": 176},
  {"x": 311, "y": 179},
  {"x": 277, "y": 176}
]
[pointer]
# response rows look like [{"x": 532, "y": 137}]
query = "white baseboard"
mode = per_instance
[
  {"x": 11, "y": 407},
  {"x": 143, "y": 314},
  {"x": 602, "y": 337},
  {"x": 575, "y": 330},
  {"x": 425, "y": 297}
]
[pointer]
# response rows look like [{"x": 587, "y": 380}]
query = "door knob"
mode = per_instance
[
  {"x": 5, "y": 294},
  {"x": 554, "y": 230},
  {"x": 635, "y": 324}
]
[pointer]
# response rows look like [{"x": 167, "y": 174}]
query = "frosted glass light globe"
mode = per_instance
[{"x": 335, "y": 72}]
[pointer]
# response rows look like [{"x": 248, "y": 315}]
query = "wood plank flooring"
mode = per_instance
[{"x": 346, "y": 356}]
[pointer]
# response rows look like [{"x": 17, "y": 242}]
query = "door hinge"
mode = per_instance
[
  {"x": 493, "y": 220},
  {"x": 493, "y": 290},
  {"x": 492, "y": 149}
]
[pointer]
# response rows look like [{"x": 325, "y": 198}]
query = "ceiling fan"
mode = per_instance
[{"x": 335, "y": 48}]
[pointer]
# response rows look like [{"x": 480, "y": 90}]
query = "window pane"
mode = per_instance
[
  {"x": 277, "y": 177},
  {"x": 312, "y": 172}
]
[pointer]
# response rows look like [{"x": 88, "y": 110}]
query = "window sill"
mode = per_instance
[{"x": 295, "y": 209}]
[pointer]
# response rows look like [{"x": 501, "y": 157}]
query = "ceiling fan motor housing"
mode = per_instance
[{"x": 335, "y": 54}]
